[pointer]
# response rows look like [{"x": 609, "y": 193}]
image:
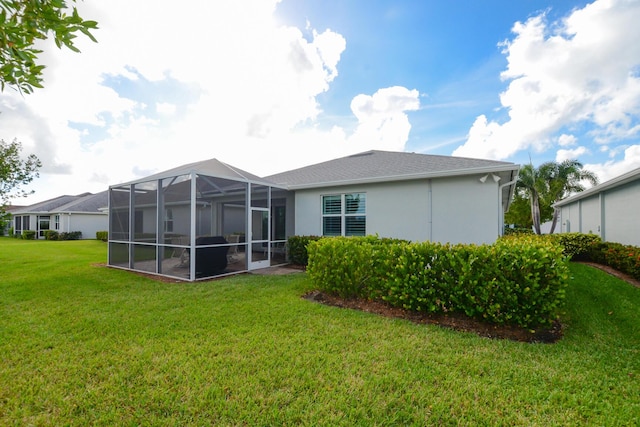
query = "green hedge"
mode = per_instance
[
  {"x": 51, "y": 235},
  {"x": 624, "y": 258},
  {"x": 102, "y": 235},
  {"x": 28, "y": 235},
  {"x": 519, "y": 281},
  {"x": 298, "y": 248},
  {"x": 576, "y": 246}
]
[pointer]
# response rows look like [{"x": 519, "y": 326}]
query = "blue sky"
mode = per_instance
[{"x": 270, "y": 85}]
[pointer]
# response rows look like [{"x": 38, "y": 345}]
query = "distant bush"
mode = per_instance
[
  {"x": 624, "y": 258},
  {"x": 298, "y": 248},
  {"x": 577, "y": 246},
  {"x": 102, "y": 235},
  {"x": 51, "y": 235},
  {"x": 518, "y": 281},
  {"x": 70, "y": 235},
  {"x": 508, "y": 231},
  {"x": 28, "y": 235}
]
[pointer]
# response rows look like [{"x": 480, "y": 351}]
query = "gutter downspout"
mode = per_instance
[{"x": 500, "y": 210}]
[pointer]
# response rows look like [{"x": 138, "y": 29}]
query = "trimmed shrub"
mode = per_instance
[
  {"x": 102, "y": 235},
  {"x": 28, "y": 235},
  {"x": 624, "y": 258},
  {"x": 518, "y": 281},
  {"x": 576, "y": 246},
  {"x": 509, "y": 231},
  {"x": 51, "y": 235},
  {"x": 70, "y": 235},
  {"x": 298, "y": 248}
]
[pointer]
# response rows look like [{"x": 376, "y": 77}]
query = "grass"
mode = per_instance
[{"x": 81, "y": 344}]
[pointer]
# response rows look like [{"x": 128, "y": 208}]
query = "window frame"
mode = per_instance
[{"x": 345, "y": 214}]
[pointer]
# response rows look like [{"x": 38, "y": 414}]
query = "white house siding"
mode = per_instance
[
  {"x": 590, "y": 217},
  {"x": 465, "y": 210},
  {"x": 622, "y": 218},
  {"x": 611, "y": 213},
  {"x": 421, "y": 210},
  {"x": 397, "y": 210},
  {"x": 88, "y": 224},
  {"x": 570, "y": 218}
]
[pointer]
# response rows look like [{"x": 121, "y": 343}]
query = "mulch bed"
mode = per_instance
[{"x": 457, "y": 321}]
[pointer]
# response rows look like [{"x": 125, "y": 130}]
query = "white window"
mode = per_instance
[
  {"x": 168, "y": 221},
  {"x": 56, "y": 222},
  {"x": 344, "y": 214}
]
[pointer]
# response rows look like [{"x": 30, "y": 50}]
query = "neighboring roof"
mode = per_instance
[
  {"x": 211, "y": 167},
  {"x": 12, "y": 208},
  {"x": 383, "y": 166},
  {"x": 81, "y": 203},
  {"x": 623, "y": 179}
]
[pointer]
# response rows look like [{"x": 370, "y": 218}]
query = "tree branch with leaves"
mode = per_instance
[
  {"x": 22, "y": 23},
  {"x": 15, "y": 172}
]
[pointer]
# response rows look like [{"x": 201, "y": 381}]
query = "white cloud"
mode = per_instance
[
  {"x": 612, "y": 168},
  {"x": 565, "y": 140},
  {"x": 583, "y": 69},
  {"x": 573, "y": 154},
  {"x": 165, "y": 108},
  {"x": 255, "y": 86}
]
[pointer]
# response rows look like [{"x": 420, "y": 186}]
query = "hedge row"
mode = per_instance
[
  {"x": 297, "y": 247},
  {"x": 624, "y": 258},
  {"x": 589, "y": 247},
  {"x": 519, "y": 281},
  {"x": 70, "y": 235},
  {"x": 576, "y": 246}
]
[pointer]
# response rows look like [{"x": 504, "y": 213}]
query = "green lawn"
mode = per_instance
[{"x": 81, "y": 344}]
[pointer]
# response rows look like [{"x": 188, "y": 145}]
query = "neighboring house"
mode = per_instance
[
  {"x": 85, "y": 212},
  {"x": 6, "y": 220},
  {"x": 609, "y": 209},
  {"x": 239, "y": 222}
]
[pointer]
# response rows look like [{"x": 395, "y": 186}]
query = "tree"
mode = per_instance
[
  {"x": 15, "y": 172},
  {"x": 22, "y": 23},
  {"x": 519, "y": 213},
  {"x": 548, "y": 184},
  {"x": 532, "y": 184},
  {"x": 564, "y": 179}
]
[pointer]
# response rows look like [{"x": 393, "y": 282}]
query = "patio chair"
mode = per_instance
[{"x": 233, "y": 255}]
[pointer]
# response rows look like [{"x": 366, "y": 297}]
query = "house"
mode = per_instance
[
  {"x": 609, "y": 209},
  {"x": 409, "y": 196},
  {"x": 234, "y": 221},
  {"x": 6, "y": 220},
  {"x": 85, "y": 212}
]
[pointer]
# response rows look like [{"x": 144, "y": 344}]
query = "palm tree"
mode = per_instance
[
  {"x": 532, "y": 184},
  {"x": 564, "y": 179}
]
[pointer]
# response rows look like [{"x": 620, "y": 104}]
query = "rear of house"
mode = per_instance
[
  {"x": 208, "y": 218},
  {"x": 409, "y": 196}
]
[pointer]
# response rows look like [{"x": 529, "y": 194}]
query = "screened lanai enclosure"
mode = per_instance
[{"x": 199, "y": 221}]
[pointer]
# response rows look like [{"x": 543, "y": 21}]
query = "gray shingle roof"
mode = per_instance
[
  {"x": 378, "y": 166},
  {"x": 81, "y": 203}
]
